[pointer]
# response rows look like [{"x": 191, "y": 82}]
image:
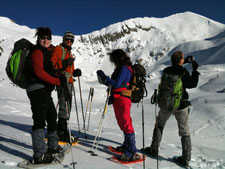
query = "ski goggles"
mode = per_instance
[{"x": 71, "y": 40}]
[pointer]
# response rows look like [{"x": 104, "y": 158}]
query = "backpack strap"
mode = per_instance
[
  {"x": 67, "y": 74},
  {"x": 63, "y": 52}
]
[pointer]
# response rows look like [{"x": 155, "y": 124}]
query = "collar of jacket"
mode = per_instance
[{"x": 65, "y": 46}]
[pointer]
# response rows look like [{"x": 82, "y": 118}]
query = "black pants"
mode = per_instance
[{"x": 43, "y": 109}]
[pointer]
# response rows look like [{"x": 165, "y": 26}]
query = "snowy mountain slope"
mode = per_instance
[{"x": 150, "y": 41}]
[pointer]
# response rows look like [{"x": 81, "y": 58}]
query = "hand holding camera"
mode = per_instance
[
  {"x": 189, "y": 59},
  {"x": 194, "y": 65}
]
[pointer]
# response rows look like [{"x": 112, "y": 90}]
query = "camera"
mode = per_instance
[{"x": 189, "y": 59}]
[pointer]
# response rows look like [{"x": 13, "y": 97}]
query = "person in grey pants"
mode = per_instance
[{"x": 182, "y": 113}]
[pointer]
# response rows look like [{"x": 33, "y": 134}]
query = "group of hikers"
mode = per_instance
[{"x": 54, "y": 66}]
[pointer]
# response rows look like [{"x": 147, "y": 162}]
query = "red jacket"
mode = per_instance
[{"x": 38, "y": 67}]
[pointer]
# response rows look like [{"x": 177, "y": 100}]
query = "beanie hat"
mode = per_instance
[
  {"x": 68, "y": 35},
  {"x": 43, "y": 31}
]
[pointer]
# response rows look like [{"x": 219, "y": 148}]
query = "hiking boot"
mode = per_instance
[
  {"x": 182, "y": 161},
  {"x": 52, "y": 151},
  {"x": 125, "y": 158},
  {"x": 150, "y": 151},
  {"x": 64, "y": 136},
  {"x": 120, "y": 149},
  {"x": 45, "y": 159}
]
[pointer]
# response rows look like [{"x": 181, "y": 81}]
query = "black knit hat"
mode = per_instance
[
  {"x": 68, "y": 35},
  {"x": 43, "y": 31}
]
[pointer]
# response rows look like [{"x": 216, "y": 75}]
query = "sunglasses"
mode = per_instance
[
  {"x": 46, "y": 37},
  {"x": 71, "y": 40}
]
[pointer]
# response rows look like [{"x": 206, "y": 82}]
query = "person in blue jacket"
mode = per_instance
[{"x": 120, "y": 82}]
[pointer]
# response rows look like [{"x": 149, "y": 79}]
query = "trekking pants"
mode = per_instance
[
  {"x": 182, "y": 117},
  {"x": 63, "y": 112},
  {"x": 121, "y": 107}
]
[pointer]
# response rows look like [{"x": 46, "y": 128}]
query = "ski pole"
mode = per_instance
[
  {"x": 154, "y": 101},
  {"x": 89, "y": 95},
  {"x": 75, "y": 102},
  {"x": 82, "y": 108},
  {"x": 97, "y": 137},
  {"x": 92, "y": 95},
  {"x": 73, "y": 163},
  {"x": 143, "y": 132}
]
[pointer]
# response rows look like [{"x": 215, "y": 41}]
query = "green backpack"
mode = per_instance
[
  {"x": 18, "y": 65},
  {"x": 170, "y": 92}
]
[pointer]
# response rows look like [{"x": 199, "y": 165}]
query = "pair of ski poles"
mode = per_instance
[
  {"x": 82, "y": 109},
  {"x": 89, "y": 104},
  {"x": 88, "y": 108},
  {"x": 99, "y": 131}
]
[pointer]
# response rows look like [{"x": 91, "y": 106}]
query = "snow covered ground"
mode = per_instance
[{"x": 207, "y": 117}]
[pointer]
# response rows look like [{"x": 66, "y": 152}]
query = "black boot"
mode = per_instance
[
  {"x": 181, "y": 161},
  {"x": 63, "y": 132},
  {"x": 44, "y": 159},
  {"x": 150, "y": 152},
  {"x": 56, "y": 150}
]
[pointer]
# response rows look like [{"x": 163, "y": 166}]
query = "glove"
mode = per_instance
[
  {"x": 67, "y": 62},
  {"x": 189, "y": 59},
  {"x": 77, "y": 72},
  {"x": 63, "y": 81},
  {"x": 101, "y": 76},
  {"x": 111, "y": 100},
  {"x": 194, "y": 65}
]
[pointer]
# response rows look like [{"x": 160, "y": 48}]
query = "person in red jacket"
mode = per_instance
[
  {"x": 120, "y": 81},
  {"x": 63, "y": 61},
  {"x": 39, "y": 92}
]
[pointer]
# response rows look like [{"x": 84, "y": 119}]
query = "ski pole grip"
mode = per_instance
[{"x": 154, "y": 96}]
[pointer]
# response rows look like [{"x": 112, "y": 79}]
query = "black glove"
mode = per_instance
[
  {"x": 63, "y": 81},
  {"x": 101, "y": 76},
  {"x": 194, "y": 65},
  {"x": 67, "y": 62},
  {"x": 77, "y": 72},
  {"x": 189, "y": 59},
  {"x": 111, "y": 100}
]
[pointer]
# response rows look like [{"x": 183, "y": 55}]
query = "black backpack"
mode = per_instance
[
  {"x": 137, "y": 83},
  {"x": 18, "y": 65}
]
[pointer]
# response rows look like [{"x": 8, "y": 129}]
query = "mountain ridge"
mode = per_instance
[{"x": 146, "y": 40}]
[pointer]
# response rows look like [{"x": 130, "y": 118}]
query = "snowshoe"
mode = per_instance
[
  {"x": 123, "y": 159},
  {"x": 46, "y": 160},
  {"x": 75, "y": 141}
]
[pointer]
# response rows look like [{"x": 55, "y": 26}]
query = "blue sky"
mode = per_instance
[{"x": 85, "y": 16}]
